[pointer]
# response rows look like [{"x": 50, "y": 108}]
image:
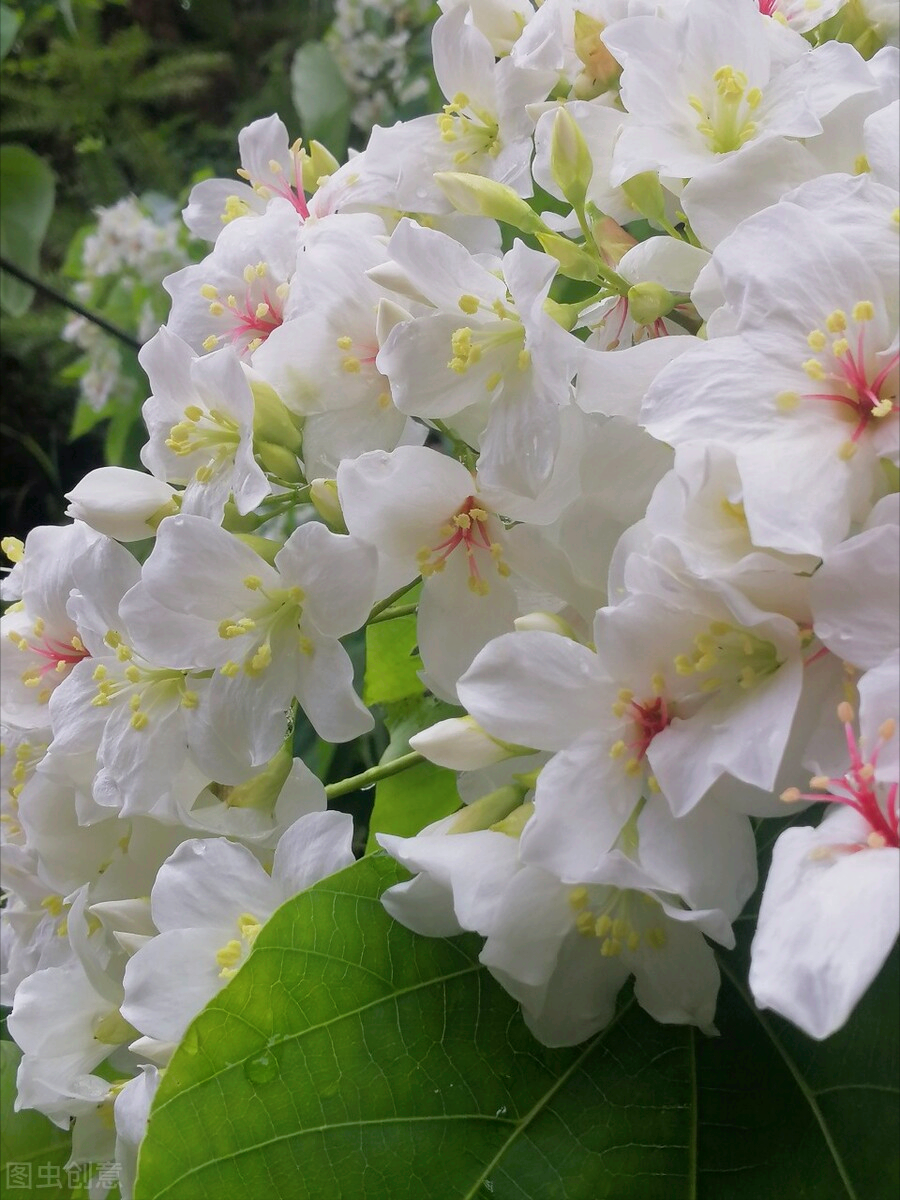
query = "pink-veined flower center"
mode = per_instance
[
  {"x": 53, "y": 654},
  {"x": 857, "y": 789},
  {"x": 646, "y": 719},
  {"x": 468, "y": 528},
  {"x": 252, "y": 317},
  {"x": 288, "y": 186},
  {"x": 846, "y": 363}
]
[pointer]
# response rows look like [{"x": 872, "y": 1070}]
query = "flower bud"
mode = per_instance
[
  {"x": 462, "y": 745},
  {"x": 611, "y": 240},
  {"x": 122, "y": 504},
  {"x": 279, "y": 461},
  {"x": 481, "y": 197},
  {"x": 488, "y": 810},
  {"x": 574, "y": 262},
  {"x": 570, "y": 160},
  {"x": 545, "y": 622},
  {"x": 644, "y": 192},
  {"x": 262, "y": 790},
  {"x": 271, "y": 420},
  {"x": 318, "y": 164},
  {"x": 601, "y": 71},
  {"x": 647, "y": 302},
  {"x": 323, "y": 494}
]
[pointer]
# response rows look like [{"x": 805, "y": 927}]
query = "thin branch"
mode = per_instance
[
  {"x": 382, "y": 771},
  {"x": 59, "y": 297}
]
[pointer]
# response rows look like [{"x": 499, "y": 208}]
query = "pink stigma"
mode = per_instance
[
  {"x": 650, "y": 718},
  {"x": 767, "y": 7},
  {"x": 56, "y": 652},
  {"x": 857, "y": 790},
  {"x": 859, "y": 393}
]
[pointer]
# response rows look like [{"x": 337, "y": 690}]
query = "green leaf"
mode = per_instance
[
  {"x": 9, "y": 27},
  {"x": 321, "y": 97},
  {"x": 406, "y": 803},
  {"x": 33, "y": 1151},
  {"x": 27, "y": 190},
  {"x": 392, "y": 661},
  {"x": 352, "y": 1059}
]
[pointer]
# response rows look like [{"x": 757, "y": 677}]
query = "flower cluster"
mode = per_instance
[
  {"x": 381, "y": 50},
  {"x": 638, "y": 438},
  {"x": 120, "y": 262}
]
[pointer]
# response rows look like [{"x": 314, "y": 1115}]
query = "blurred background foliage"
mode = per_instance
[{"x": 108, "y": 99}]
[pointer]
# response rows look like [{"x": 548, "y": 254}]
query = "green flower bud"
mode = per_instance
[
  {"x": 279, "y": 461},
  {"x": 263, "y": 789},
  {"x": 644, "y": 192},
  {"x": 571, "y": 164},
  {"x": 480, "y": 197},
  {"x": 574, "y": 261},
  {"x": 323, "y": 494},
  {"x": 486, "y": 811},
  {"x": 271, "y": 420},
  {"x": 264, "y": 547},
  {"x": 647, "y": 302}
]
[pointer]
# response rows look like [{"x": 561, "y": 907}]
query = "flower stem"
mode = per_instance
[
  {"x": 385, "y": 604},
  {"x": 390, "y": 614},
  {"x": 364, "y": 780}
]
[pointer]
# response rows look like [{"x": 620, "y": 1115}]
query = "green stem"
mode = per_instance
[
  {"x": 389, "y": 600},
  {"x": 366, "y": 778},
  {"x": 390, "y": 614}
]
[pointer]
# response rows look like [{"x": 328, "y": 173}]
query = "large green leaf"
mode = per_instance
[
  {"x": 33, "y": 1151},
  {"x": 321, "y": 97},
  {"x": 392, "y": 658},
  {"x": 27, "y": 190},
  {"x": 352, "y": 1060},
  {"x": 9, "y": 27}
]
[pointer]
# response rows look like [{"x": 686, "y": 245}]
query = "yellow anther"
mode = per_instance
[
  {"x": 469, "y": 304},
  {"x": 625, "y": 695},
  {"x": 839, "y": 346},
  {"x": 658, "y": 683},
  {"x": 820, "y": 783},
  {"x": 230, "y": 669},
  {"x": 683, "y": 665},
  {"x": 254, "y": 344},
  {"x": 344, "y": 343},
  {"x": 866, "y": 771},
  {"x": 17, "y": 639},
  {"x": 633, "y": 767},
  {"x": 578, "y": 898},
  {"x": 230, "y": 954},
  {"x": 883, "y": 408},
  {"x": 249, "y": 926},
  {"x": 617, "y": 749},
  {"x": 216, "y": 309},
  {"x": 249, "y": 274},
  {"x": 307, "y": 646},
  {"x": 653, "y": 784},
  {"x": 112, "y": 638},
  {"x": 189, "y": 699},
  {"x": 655, "y": 937},
  {"x": 53, "y": 905},
  {"x": 210, "y": 342},
  {"x": 133, "y": 674},
  {"x": 478, "y": 587},
  {"x": 836, "y": 322},
  {"x": 861, "y": 165},
  {"x": 887, "y": 729},
  {"x": 845, "y": 712},
  {"x": 611, "y": 948},
  {"x": 209, "y": 292},
  {"x": 351, "y": 365},
  {"x": 478, "y": 514},
  {"x": 584, "y": 923},
  {"x": 139, "y": 720},
  {"x": 261, "y": 269},
  {"x": 814, "y": 368},
  {"x": 134, "y": 703},
  {"x": 846, "y": 451},
  {"x": 787, "y": 401},
  {"x": 13, "y": 548},
  {"x": 283, "y": 290},
  {"x": 275, "y": 166},
  {"x": 124, "y": 653},
  {"x": 203, "y": 474},
  {"x": 876, "y": 841},
  {"x": 753, "y": 98},
  {"x": 523, "y": 359},
  {"x": 816, "y": 340},
  {"x": 262, "y": 310},
  {"x": 697, "y": 105},
  {"x": 194, "y": 413},
  {"x": 603, "y": 925},
  {"x": 863, "y": 310},
  {"x": 262, "y": 658},
  {"x": 39, "y": 627},
  {"x": 252, "y": 582}
]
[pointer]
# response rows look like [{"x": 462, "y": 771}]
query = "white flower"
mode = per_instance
[
  {"x": 829, "y": 913},
  {"x": 207, "y": 602},
  {"x": 209, "y": 902}
]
